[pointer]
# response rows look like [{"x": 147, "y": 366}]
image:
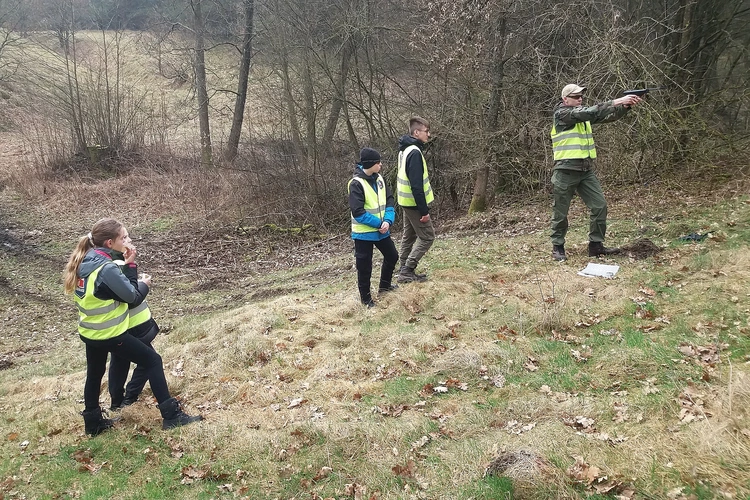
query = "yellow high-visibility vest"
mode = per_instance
[
  {"x": 375, "y": 203},
  {"x": 138, "y": 315},
  {"x": 404, "y": 195},
  {"x": 98, "y": 319},
  {"x": 576, "y": 143}
]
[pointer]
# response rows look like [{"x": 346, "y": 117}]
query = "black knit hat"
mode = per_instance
[{"x": 368, "y": 157}]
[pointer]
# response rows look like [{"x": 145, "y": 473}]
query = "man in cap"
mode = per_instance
[{"x": 573, "y": 172}]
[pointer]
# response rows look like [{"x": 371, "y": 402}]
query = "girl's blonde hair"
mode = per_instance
[{"x": 103, "y": 230}]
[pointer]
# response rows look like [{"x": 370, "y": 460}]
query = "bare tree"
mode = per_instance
[
  {"x": 474, "y": 61},
  {"x": 242, "y": 81},
  {"x": 201, "y": 91},
  {"x": 11, "y": 19}
]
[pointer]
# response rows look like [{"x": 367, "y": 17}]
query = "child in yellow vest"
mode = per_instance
[
  {"x": 372, "y": 214},
  {"x": 142, "y": 326}
]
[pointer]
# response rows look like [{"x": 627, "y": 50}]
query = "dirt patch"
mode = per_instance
[
  {"x": 640, "y": 249},
  {"x": 271, "y": 293},
  {"x": 5, "y": 363},
  {"x": 525, "y": 467},
  {"x": 507, "y": 220}
]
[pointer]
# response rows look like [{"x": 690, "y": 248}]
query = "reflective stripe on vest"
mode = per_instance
[
  {"x": 375, "y": 203},
  {"x": 139, "y": 315},
  {"x": 573, "y": 144},
  {"x": 403, "y": 187},
  {"x": 98, "y": 319}
]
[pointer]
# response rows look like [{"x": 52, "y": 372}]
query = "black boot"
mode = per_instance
[
  {"x": 407, "y": 275},
  {"x": 95, "y": 423},
  {"x": 558, "y": 252},
  {"x": 365, "y": 295},
  {"x": 173, "y": 416},
  {"x": 129, "y": 400},
  {"x": 366, "y": 299},
  {"x": 597, "y": 248}
]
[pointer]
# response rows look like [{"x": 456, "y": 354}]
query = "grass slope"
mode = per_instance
[{"x": 506, "y": 375}]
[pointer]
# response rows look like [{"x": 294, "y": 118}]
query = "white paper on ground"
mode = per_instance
[{"x": 603, "y": 270}]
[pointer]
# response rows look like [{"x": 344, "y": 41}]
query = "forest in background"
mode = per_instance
[
  {"x": 506, "y": 375},
  {"x": 274, "y": 98}
]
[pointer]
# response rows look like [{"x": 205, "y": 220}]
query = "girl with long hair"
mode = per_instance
[{"x": 103, "y": 291}]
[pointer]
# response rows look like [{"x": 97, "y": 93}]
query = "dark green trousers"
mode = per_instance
[{"x": 565, "y": 184}]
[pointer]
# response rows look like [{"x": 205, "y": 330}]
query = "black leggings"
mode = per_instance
[
  {"x": 126, "y": 347},
  {"x": 119, "y": 369}
]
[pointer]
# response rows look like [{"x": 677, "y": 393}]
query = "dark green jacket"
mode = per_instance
[{"x": 566, "y": 117}]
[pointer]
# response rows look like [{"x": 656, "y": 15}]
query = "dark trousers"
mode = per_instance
[
  {"x": 363, "y": 251},
  {"x": 128, "y": 348},
  {"x": 565, "y": 184},
  {"x": 118, "y": 374}
]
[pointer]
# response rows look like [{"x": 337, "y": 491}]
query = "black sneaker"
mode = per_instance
[
  {"x": 388, "y": 288},
  {"x": 125, "y": 402},
  {"x": 370, "y": 304}
]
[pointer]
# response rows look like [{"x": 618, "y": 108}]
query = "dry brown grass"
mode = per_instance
[
  {"x": 288, "y": 368},
  {"x": 310, "y": 379},
  {"x": 293, "y": 375}
]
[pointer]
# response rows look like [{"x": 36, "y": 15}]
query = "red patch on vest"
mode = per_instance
[{"x": 80, "y": 290}]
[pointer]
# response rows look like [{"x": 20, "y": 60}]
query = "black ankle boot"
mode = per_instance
[
  {"x": 597, "y": 248},
  {"x": 129, "y": 400},
  {"x": 558, "y": 252},
  {"x": 173, "y": 416},
  {"x": 95, "y": 423}
]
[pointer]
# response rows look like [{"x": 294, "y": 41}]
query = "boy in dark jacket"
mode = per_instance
[
  {"x": 372, "y": 214},
  {"x": 414, "y": 194}
]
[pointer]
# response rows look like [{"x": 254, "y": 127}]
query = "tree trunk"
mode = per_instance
[
  {"x": 200, "y": 84},
  {"x": 479, "y": 195},
  {"x": 239, "y": 103},
  {"x": 340, "y": 97},
  {"x": 299, "y": 149},
  {"x": 310, "y": 115},
  {"x": 74, "y": 94}
]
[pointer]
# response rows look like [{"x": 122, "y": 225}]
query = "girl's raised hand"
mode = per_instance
[{"x": 129, "y": 254}]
